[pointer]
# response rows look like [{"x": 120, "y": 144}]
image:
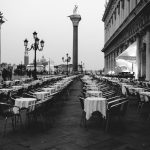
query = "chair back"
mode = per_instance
[
  {"x": 127, "y": 91},
  {"x": 113, "y": 98},
  {"x": 118, "y": 107},
  {"x": 81, "y": 102},
  {"x": 4, "y": 108},
  {"x": 138, "y": 97}
]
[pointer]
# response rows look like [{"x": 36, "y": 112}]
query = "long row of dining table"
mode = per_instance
[
  {"x": 138, "y": 87},
  {"x": 45, "y": 93},
  {"x": 25, "y": 83},
  {"x": 93, "y": 100}
]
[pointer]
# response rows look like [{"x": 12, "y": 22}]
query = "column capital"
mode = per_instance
[{"x": 75, "y": 19}]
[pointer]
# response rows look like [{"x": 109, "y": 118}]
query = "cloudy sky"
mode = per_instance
[{"x": 49, "y": 19}]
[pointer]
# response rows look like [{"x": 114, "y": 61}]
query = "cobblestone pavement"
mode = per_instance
[{"x": 133, "y": 133}]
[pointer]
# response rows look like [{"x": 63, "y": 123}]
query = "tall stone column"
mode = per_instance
[
  {"x": 105, "y": 64},
  {"x": 108, "y": 63},
  {"x": 75, "y": 18},
  {"x": 148, "y": 54},
  {"x": 1, "y": 22},
  {"x": 143, "y": 60},
  {"x": 120, "y": 16},
  {"x": 138, "y": 56}
]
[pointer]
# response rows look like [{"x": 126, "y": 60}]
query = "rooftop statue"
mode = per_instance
[
  {"x": 1, "y": 15},
  {"x": 75, "y": 9}
]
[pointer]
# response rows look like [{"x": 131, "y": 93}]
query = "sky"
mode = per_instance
[{"x": 49, "y": 18}]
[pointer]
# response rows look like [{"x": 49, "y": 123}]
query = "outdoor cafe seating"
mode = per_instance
[{"x": 34, "y": 99}]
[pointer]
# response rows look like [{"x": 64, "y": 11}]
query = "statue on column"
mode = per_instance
[{"x": 75, "y": 9}]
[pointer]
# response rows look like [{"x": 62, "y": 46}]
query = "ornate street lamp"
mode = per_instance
[
  {"x": 35, "y": 47},
  {"x": 1, "y": 22},
  {"x": 67, "y": 60}
]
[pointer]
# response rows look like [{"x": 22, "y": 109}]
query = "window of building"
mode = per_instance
[
  {"x": 135, "y": 2},
  {"x": 118, "y": 9},
  {"x": 115, "y": 14},
  {"x": 122, "y": 4},
  {"x": 129, "y": 7}
]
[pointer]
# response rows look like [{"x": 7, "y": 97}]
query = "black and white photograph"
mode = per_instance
[{"x": 74, "y": 75}]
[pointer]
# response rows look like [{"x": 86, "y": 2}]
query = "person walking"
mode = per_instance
[{"x": 4, "y": 74}]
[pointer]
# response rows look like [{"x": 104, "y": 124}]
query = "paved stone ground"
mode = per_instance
[{"x": 133, "y": 133}]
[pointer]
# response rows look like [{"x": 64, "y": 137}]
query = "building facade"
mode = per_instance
[{"x": 127, "y": 22}]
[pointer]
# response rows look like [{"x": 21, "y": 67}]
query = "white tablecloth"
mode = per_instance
[
  {"x": 5, "y": 90},
  {"x": 93, "y": 87},
  {"x": 8, "y": 82},
  {"x": 42, "y": 95},
  {"x": 124, "y": 88},
  {"x": 50, "y": 90},
  {"x": 134, "y": 90},
  {"x": 91, "y": 93},
  {"x": 17, "y": 87},
  {"x": 57, "y": 87},
  {"x": 92, "y": 104},
  {"x": 25, "y": 85},
  {"x": 24, "y": 103},
  {"x": 144, "y": 96}
]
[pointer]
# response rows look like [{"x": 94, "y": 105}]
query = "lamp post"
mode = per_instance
[
  {"x": 21, "y": 68},
  {"x": 1, "y": 22},
  {"x": 35, "y": 47},
  {"x": 68, "y": 58}
]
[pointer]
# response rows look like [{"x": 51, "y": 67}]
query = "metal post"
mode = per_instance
[{"x": 35, "y": 76}]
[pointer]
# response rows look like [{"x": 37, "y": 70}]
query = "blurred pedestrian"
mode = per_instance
[
  {"x": 4, "y": 74},
  {"x": 9, "y": 73}
]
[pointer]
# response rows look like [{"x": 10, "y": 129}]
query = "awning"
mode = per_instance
[
  {"x": 127, "y": 59},
  {"x": 129, "y": 54}
]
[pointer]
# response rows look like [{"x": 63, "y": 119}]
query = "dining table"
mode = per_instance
[
  {"x": 145, "y": 96},
  {"x": 41, "y": 96},
  {"x": 135, "y": 90},
  {"x": 51, "y": 90},
  {"x": 24, "y": 103},
  {"x": 17, "y": 87},
  {"x": 90, "y": 93},
  {"x": 92, "y": 104}
]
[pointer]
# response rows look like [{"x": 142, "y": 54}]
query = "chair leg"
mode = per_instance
[
  {"x": 5, "y": 125},
  {"x": 20, "y": 118},
  {"x": 107, "y": 123},
  {"x": 85, "y": 125},
  {"x": 67, "y": 92},
  {"x": 81, "y": 121},
  {"x": 140, "y": 107}
]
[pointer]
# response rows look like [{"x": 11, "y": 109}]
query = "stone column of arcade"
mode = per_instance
[
  {"x": 75, "y": 18},
  {"x": 138, "y": 57},
  {"x": 148, "y": 55}
]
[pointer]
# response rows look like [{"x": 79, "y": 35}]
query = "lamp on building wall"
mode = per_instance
[
  {"x": 35, "y": 47},
  {"x": 67, "y": 60}
]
